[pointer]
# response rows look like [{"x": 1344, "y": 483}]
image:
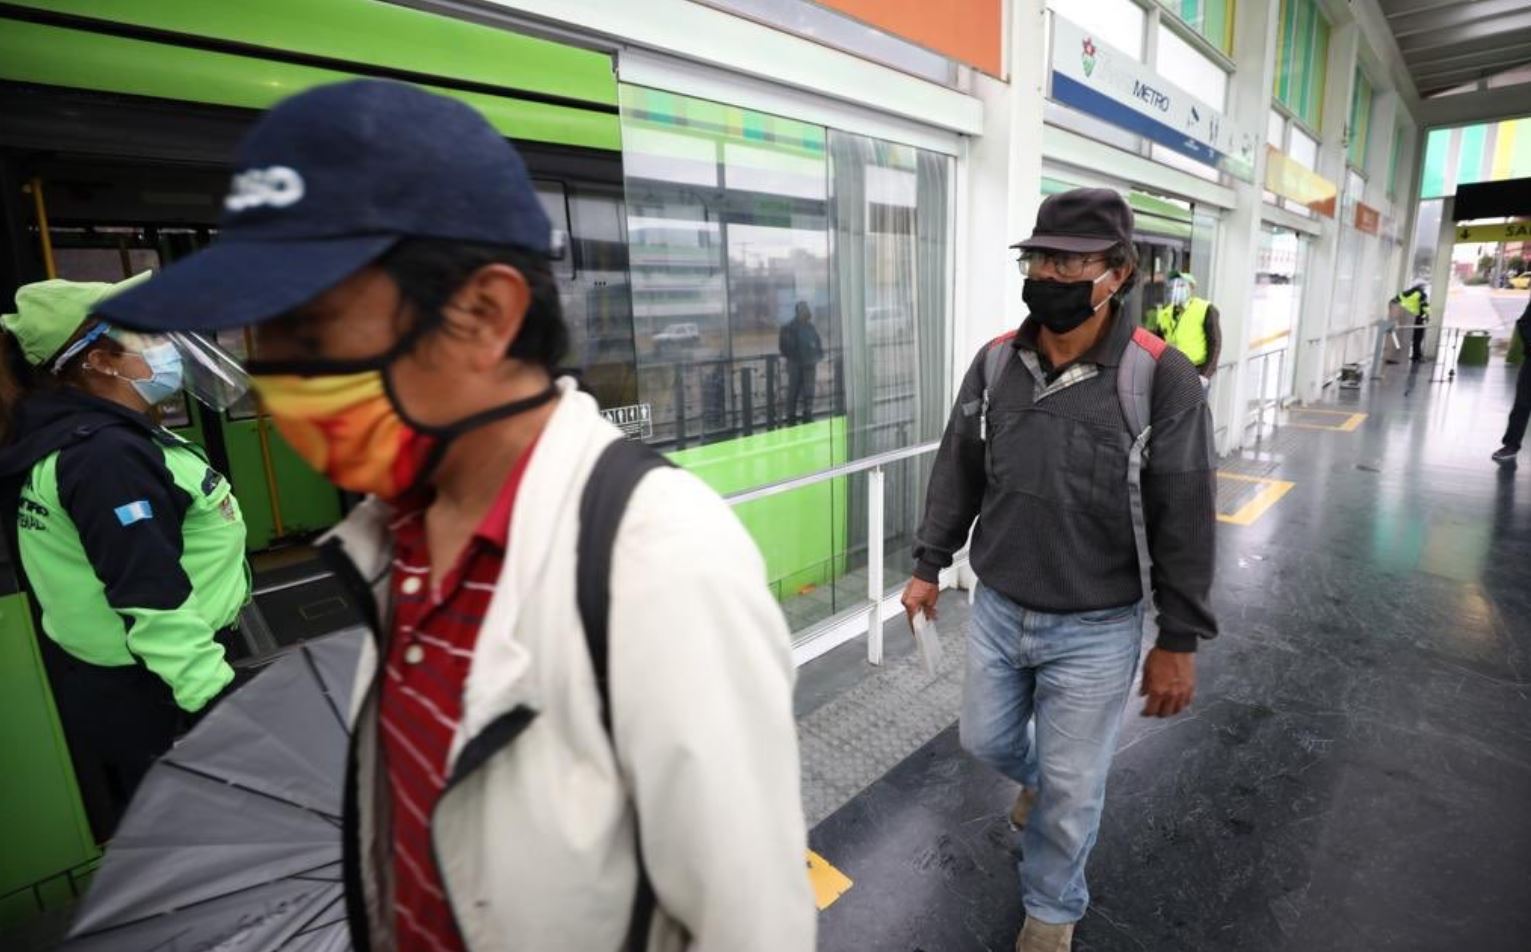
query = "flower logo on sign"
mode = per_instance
[{"x": 1087, "y": 57}]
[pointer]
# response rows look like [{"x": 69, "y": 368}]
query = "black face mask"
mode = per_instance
[{"x": 1061, "y": 306}]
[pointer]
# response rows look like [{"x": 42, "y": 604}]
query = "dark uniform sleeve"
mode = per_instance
[
  {"x": 957, "y": 481},
  {"x": 1180, "y": 505},
  {"x": 1214, "y": 341},
  {"x": 128, "y": 511}
]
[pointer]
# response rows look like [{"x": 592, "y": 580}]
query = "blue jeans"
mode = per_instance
[{"x": 1042, "y": 705}]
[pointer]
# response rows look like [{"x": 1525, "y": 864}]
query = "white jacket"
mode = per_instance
[{"x": 536, "y": 842}]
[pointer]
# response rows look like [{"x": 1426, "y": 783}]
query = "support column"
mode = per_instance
[
  {"x": 1318, "y": 296},
  {"x": 1231, "y": 287},
  {"x": 1001, "y": 185}
]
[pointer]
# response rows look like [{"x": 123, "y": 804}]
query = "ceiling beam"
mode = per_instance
[
  {"x": 1485, "y": 105},
  {"x": 1394, "y": 9},
  {"x": 1424, "y": 62},
  {"x": 1489, "y": 31},
  {"x": 1450, "y": 78},
  {"x": 1427, "y": 21}
]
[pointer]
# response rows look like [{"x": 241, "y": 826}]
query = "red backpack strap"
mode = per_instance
[
  {"x": 1149, "y": 341},
  {"x": 997, "y": 354},
  {"x": 1135, "y": 379}
]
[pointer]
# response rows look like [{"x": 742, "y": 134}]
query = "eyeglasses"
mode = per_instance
[{"x": 1065, "y": 264}]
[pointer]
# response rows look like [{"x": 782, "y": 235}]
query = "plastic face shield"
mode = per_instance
[
  {"x": 1180, "y": 291},
  {"x": 209, "y": 373}
]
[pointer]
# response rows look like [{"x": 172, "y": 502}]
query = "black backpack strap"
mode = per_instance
[{"x": 616, "y": 474}]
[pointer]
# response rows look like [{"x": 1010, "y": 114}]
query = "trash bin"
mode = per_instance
[
  {"x": 1517, "y": 352},
  {"x": 1474, "y": 351}
]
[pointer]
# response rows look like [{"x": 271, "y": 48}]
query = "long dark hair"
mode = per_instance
[{"x": 19, "y": 379}]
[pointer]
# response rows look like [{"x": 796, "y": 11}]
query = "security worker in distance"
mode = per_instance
[
  {"x": 133, "y": 545},
  {"x": 1190, "y": 324}
]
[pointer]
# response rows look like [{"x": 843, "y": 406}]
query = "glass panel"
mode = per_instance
[
  {"x": 792, "y": 304},
  {"x": 1204, "y": 254},
  {"x": 1427, "y": 235},
  {"x": 1313, "y": 110},
  {"x": 1355, "y": 186},
  {"x": 1119, "y": 23},
  {"x": 1277, "y": 291},
  {"x": 1275, "y": 130},
  {"x": 1303, "y": 149},
  {"x": 1360, "y": 120},
  {"x": 596, "y": 296},
  {"x": 1213, "y": 19},
  {"x": 1185, "y": 66},
  {"x": 1302, "y": 59},
  {"x": 727, "y": 234},
  {"x": 1275, "y": 135},
  {"x": 891, "y": 214},
  {"x": 1392, "y": 161}
]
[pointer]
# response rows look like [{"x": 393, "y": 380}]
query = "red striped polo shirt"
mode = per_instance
[{"x": 434, "y": 633}]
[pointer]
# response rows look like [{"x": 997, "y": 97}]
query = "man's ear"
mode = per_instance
[{"x": 492, "y": 305}]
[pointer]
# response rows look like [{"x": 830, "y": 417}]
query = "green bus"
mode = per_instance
[{"x": 117, "y": 118}]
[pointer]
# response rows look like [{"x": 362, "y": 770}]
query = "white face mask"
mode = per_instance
[{"x": 1180, "y": 292}]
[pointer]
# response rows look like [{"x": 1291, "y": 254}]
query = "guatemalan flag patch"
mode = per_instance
[{"x": 134, "y": 512}]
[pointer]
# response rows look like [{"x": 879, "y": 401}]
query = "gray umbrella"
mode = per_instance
[{"x": 233, "y": 839}]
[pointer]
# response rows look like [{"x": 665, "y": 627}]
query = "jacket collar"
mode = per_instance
[{"x": 548, "y": 497}]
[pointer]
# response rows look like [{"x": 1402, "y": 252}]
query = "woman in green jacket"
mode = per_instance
[{"x": 132, "y": 545}]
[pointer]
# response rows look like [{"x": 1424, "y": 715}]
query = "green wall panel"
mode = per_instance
[
  {"x": 1360, "y": 121},
  {"x": 309, "y": 503},
  {"x": 1302, "y": 60},
  {"x": 62, "y": 57},
  {"x": 1213, "y": 19},
  {"x": 42, "y": 821},
  {"x": 372, "y": 32},
  {"x": 802, "y": 534}
]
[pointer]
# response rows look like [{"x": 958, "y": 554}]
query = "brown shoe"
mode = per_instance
[
  {"x": 1044, "y": 937},
  {"x": 1021, "y": 812}
]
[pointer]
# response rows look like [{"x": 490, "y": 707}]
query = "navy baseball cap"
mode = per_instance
[{"x": 328, "y": 181}]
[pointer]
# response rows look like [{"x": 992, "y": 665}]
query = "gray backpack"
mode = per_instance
[{"x": 1134, "y": 389}]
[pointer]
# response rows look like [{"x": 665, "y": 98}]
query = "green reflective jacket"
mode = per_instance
[{"x": 134, "y": 547}]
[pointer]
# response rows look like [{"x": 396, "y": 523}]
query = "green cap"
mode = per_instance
[{"x": 50, "y": 312}]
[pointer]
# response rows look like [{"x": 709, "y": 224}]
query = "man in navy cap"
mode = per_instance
[
  {"x": 391, "y": 252},
  {"x": 1081, "y": 444}
]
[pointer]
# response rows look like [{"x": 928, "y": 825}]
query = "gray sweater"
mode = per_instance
[{"x": 1054, "y": 527}]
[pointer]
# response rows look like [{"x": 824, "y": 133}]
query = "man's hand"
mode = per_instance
[
  {"x": 1169, "y": 680},
  {"x": 920, "y": 595}
]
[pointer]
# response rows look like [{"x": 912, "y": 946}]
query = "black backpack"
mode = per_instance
[{"x": 617, "y": 472}]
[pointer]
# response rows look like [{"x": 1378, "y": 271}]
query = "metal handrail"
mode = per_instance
[
  {"x": 876, "y": 461},
  {"x": 870, "y": 608}
]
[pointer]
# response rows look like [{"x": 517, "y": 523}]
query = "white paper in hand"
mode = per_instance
[{"x": 928, "y": 640}]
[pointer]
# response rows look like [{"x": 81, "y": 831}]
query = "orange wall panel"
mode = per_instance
[{"x": 965, "y": 30}]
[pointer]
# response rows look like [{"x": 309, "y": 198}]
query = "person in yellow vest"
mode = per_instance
[
  {"x": 1416, "y": 304},
  {"x": 1190, "y": 324}
]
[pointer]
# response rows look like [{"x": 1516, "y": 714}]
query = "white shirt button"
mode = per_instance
[
  {"x": 414, "y": 654},
  {"x": 411, "y": 585}
]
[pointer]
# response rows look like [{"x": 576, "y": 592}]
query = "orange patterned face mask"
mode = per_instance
[{"x": 345, "y": 426}]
